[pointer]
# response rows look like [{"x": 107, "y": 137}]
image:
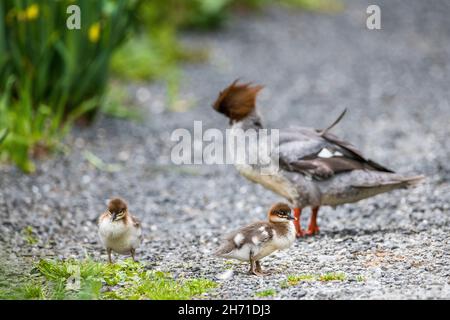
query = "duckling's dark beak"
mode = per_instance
[
  {"x": 290, "y": 217},
  {"x": 113, "y": 216}
]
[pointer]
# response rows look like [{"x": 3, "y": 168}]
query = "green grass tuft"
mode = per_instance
[
  {"x": 33, "y": 291},
  {"x": 100, "y": 164},
  {"x": 29, "y": 235},
  {"x": 294, "y": 279},
  {"x": 118, "y": 104},
  {"x": 266, "y": 293},
  {"x": 332, "y": 276},
  {"x": 360, "y": 278}
]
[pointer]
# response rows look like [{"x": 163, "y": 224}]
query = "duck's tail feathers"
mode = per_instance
[
  {"x": 413, "y": 181},
  {"x": 225, "y": 249},
  {"x": 397, "y": 182},
  {"x": 324, "y": 131}
]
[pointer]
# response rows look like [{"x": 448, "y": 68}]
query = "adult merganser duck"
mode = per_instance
[
  {"x": 119, "y": 231},
  {"x": 315, "y": 168},
  {"x": 259, "y": 239}
]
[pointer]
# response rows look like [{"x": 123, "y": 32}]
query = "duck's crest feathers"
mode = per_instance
[{"x": 237, "y": 101}]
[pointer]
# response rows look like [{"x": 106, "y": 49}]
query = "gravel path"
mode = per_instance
[{"x": 395, "y": 84}]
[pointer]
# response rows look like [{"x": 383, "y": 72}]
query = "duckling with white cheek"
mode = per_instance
[
  {"x": 257, "y": 240},
  {"x": 119, "y": 230}
]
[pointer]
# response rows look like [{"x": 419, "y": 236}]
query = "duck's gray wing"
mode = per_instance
[
  {"x": 320, "y": 154},
  {"x": 136, "y": 221}
]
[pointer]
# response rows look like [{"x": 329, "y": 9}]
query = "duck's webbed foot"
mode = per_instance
[
  {"x": 313, "y": 228},
  {"x": 298, "y": 227}
]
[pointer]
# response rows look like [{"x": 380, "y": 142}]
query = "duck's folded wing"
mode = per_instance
[
  {"x": 253, "y": 234},
  {"x": 257, "y": 233},
  {"x": 136, "y": 221},
  {"x": 103, "y": 216},
  {"x": 320, "y": 154}
]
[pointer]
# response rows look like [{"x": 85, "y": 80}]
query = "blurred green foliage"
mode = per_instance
[
  {"x": 155, "y": 51},
  {"x": 50, "y": 75}
]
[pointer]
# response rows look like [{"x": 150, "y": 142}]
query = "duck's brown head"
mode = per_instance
[
  {"x": 237, "y": 101},
  {"x": 280, "y": 212},
  {"x": 117, "y": 208}
]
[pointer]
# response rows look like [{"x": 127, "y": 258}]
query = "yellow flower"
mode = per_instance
[
  {"x": 94, "y": 32},
  {"x": 32, "y": 12}
]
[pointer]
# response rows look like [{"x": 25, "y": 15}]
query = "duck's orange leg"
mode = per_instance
[
  {"x": 298, "y": 227},
  {"x": 313, "y": 228}
]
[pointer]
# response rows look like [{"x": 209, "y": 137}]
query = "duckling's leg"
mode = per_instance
[
  {"x": 109, "y": 255},
  {"x": 258, "y": 268},
  {"x": 253, "y": 267},
  {"x": 313, "y": 228},
  {"x": 298, "y": 227},
  {"x": 133, "y": 251}
]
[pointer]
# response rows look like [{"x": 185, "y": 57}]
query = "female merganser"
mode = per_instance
[
  {"x": 314, "y": 167},
  {"x": 257, "y": 240},
  {"x": 119, "y": 230}
]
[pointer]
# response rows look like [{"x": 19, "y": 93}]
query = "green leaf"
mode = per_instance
[
  {"x": 3, "y": 134},
  {"x": 100, "y": 164}
]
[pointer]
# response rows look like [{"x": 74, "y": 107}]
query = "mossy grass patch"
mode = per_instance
[
  {"x": 266, "y": 293},
  {"x": 88, "y": 279},
  {"x": 294, "y": 279}
]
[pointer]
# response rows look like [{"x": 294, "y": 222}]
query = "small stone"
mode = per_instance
[
  {"x": 143, "y": 95},
  {"x": 228, "y": 274},
  {"x": 85, "y": 179},
  {"x": 123, "y": 156}
]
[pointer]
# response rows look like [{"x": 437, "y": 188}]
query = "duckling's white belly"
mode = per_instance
[
  {"x": 258, "y": 252},
  {"x": 285, "y": 241},
  {"x": 243, "y": 253},
  {"x": 265, "y": 251},
  {"x": 119, "y": 237},
  {"x": 262, "y": 250},
  {"x": 275, "y": 182}
]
